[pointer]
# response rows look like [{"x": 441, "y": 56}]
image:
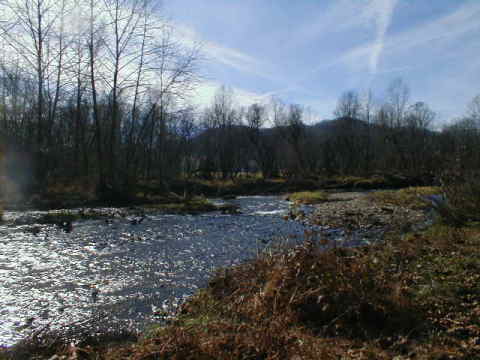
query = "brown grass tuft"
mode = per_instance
[{"x": 412, "y": 197}]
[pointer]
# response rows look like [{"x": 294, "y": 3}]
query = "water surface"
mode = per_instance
[{"x": 131, "y": 272}]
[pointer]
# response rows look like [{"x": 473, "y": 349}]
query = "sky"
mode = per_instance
[{"x": 309, "y": 52}]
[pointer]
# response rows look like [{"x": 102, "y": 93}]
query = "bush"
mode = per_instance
[{"x": 461, "y": 188}]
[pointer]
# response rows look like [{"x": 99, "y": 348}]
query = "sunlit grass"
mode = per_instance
[
  {"x": 411, "y": 197},
  {"x": 308, "y": 197},
  {"x": 179, "y": 205}
]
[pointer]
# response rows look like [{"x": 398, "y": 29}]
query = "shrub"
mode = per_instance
[{"x": 461, "y": 188}]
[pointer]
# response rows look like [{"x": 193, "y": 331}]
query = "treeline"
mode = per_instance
[
  {"x": 367, "y": 136},
  {"x": 99, "y": 90},
  {"x": 92, "y": 89}
]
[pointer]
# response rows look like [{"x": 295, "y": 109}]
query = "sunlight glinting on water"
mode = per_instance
[{"x": 54, "y": 277}]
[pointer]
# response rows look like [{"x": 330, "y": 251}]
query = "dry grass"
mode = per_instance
[
  {"x": 462, "y": 190},
  {"x": 183, "y": 206},
  {"x": 374, "y": 302},
  {"x": 308, "y": 197},
  {"x": 411, "y": 197}
]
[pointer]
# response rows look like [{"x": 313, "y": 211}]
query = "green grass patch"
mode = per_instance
[
  {"x": 308, "y": 197},
  {"x": 184, "y": 206},
  {"x": 411, "y": 197}
]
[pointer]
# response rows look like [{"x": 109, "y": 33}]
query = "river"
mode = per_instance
[{"x": 130, "y": 272}]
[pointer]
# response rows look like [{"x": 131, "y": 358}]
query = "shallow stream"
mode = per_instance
[{"x": 132, "y": 272}]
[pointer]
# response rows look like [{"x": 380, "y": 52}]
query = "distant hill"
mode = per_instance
[
  {"x": 343, "y": 125},
  {"x": 325, "y": 129}
]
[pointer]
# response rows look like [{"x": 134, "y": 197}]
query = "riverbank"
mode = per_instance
[
  {"x": 183, "y": 195},
  {"x": 386, "y": 211},
  {"x": 415, "y": 295}
]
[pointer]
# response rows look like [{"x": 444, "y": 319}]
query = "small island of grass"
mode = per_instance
[{"x": 308, "y": 197}]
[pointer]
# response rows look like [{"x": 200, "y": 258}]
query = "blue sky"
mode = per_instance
[{"x": 310, "y": 51}]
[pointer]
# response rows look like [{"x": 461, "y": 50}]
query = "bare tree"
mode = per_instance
[
  {"x": 220, "y": 121},
  {"x": 123, "y": 21},
  {"x": 398, "y": 95},
  {"x": 289, "y": 123},
  {"x": 108, "y": 75},
  {"x": 79, "y": 71},
  {"x": 367, "y": 107},
  {"x": 93, "y": 42},
  {"x": 171, "y": 68},
  {"x": 419, "y": 116},
  {"x": 348, "y": 105},
  {"x": 144, "y": 72},
  {"x": 34, "y": 30},
  {"x": 264, "y": 152},
  {"x": 417, "y": 144},
  {"x": 473, "y": 110}
]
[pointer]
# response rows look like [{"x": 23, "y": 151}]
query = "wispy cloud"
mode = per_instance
[
  {"x": 347, "y": 16},
  {"x": 228, "y": 56},
  {"x": 339, "y": 16},
  {"x": 384, "y": 10},
  {"x": 461, "y": 21},
  {"x": 437, "y": 32},
  {"x": 206, "y": 91}
]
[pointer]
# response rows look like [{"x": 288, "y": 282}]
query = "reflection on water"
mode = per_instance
[{"x": 48, "y": 275}]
